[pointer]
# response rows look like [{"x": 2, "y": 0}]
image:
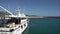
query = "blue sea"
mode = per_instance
[{"x": 43, "y": 26}]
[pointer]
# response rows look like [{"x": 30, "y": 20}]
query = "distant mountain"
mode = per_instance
[
  {"x": 36, "y": 16},
  {"x": 33, "y": 16}
]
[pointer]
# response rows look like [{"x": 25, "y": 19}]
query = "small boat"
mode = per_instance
[{"x": 12, "y": 24}]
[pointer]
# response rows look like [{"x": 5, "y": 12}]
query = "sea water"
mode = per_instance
[{"x": 43, "y": 26}]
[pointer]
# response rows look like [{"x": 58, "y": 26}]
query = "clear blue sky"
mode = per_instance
[{"x": 33, "y": 7}]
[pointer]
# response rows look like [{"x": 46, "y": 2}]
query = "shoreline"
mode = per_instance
[{"x": 45, "y": 17}]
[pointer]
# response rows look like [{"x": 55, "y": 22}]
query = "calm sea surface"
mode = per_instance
[{"x": 43, "y": 26}]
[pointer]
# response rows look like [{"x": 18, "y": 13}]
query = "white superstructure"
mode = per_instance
[{"x": 12, "y": 24}]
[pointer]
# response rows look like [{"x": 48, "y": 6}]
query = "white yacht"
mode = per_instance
[{"x": 12, "y": 24}]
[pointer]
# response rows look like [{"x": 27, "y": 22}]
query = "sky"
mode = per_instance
[{"x": 33, "y": 7}]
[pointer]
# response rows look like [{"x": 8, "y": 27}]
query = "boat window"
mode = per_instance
[
  {"x": 23, "y": 18},
  {"x": 12, "y": 30},
  {"x": 3, "y": 21},
  {"x": 17, "y": 21},
  {"x": 11, "y": 20},
  {"x": 7, "y": 20},
  {"x": 22, "y": 26}
]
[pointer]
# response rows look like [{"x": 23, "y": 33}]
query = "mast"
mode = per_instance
[{"x": 19, "y": 11}]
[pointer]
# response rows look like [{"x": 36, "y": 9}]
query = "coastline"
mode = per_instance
[{"x": 43, "y": 17}]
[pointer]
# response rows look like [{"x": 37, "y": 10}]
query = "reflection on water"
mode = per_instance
[{"x": 26, "y": 31}]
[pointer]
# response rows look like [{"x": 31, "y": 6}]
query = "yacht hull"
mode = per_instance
[{"x": 17, "y": 31}]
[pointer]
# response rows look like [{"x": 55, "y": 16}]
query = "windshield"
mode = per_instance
[{"x": 3, "y": 20}]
